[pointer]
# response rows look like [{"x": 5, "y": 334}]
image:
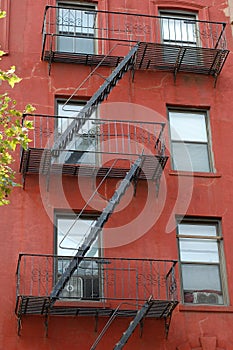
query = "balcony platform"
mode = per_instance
[
  {"x": 155, "y": 56},
  {"x": 99, "y": 287},
  {"x": 165, "y": 42},
  {"x": 38, "y": 161},
  {"x": 111, "y": 146},
  {"x": 28, "y": 305}
]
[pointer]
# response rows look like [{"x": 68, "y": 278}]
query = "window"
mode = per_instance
[
  {"x": 69, "y": 234},
  {"x": 178, "y": 28},
  {"x": 190, "y": 145},
  {"x": 83, "y": 145},
  {"x": 76, "y": 28},
  {"x": 201, "y": 261}
]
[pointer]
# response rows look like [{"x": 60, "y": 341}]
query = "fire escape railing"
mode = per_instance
[
  {"x": 93, "y": 147},
  {"x": 96, "y": 279},
  {"x": 105, "y": 136},
  {"x": 106, "y": 26},
  {"x": 164, "y": 42}
]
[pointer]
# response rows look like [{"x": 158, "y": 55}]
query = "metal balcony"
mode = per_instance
[
  {"x": 98, "y": 147},
  {"x": 166, "y": 43},
  {"x": 99, "y": 286}
]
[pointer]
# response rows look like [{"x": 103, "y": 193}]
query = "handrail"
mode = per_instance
[
  {"x": 100, "y": 120},
  {"x": 107, "y": 325},
  {"x": 99, "y": 258},
  {"x": 127, "y": 14}
]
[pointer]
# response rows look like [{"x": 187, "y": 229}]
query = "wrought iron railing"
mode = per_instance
[
  {"x": 104, "y": 136},
  {"x": 98, "y": 279},
  {"x": 96, "y": 32}
]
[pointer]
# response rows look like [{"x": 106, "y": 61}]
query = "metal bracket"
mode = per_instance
[
  {"x": 135, "y": 183},
  {"x": 167, "y": 322},
  {"x": 50, "y": 56},
  {"x": 133, "y": 70},
  {"x": 25, "y": 167},
  {"x": 215, "y": 80},
  {"x": 179, "y": 59},
  {"x": 23, "y": 180},
  {"x": 46, "y": 325},
  {"x": 19, "y": 324},
  {"x": 96, "y": 322},
  {"x": 48, "y": 176},
  {"x": 136, "y": 176},
  {"x": 141, "y": 323}
]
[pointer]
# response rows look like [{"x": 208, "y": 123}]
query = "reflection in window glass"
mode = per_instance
[
  {"x": 81, "y": 149},
  {"x": 85, "y": 281},
  {"x": 76, "y": 28},
  {"x": 201, "y": 263},
  {"x": 189, "y": 140}
]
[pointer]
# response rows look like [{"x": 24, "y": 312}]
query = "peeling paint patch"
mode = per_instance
[{"x": 228, "y": 11}]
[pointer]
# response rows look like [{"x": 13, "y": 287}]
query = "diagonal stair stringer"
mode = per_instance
[{"x": 133, "y": 324}]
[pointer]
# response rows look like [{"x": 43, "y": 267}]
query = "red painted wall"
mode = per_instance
[{"x": 26, "y": 224}]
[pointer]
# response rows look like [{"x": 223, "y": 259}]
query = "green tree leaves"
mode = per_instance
[{"x": 12, "y": 132}]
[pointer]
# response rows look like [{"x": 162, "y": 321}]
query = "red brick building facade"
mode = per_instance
[{"x": 120, "y": 236}]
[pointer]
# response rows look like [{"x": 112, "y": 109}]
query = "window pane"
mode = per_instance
[
  {"x": 74, "y": 230},
  {"x": 190, "y": 157},
  {"x": 201, "y": 277},
  {"x": 85, "y": 141},
  {"x": 197, "y": 229},
  {"x": 178, "y": 29},
  {"x": 78, "y": 21},
  {"x": 76, "y": 28},
  {"x": 84, "y": 283},
  {"x": 69, "y": 110},
  {"x": 188, "y": 126},
  {"x": 200, "y": 262},
  {"x": 198, "y": 250},
  {"x": 75, "y": 45}
]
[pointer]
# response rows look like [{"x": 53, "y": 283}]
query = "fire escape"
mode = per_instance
[{"x": 135, "y": 288}]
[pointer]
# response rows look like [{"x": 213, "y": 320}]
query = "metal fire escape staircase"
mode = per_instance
[
  {"x": 94, "y": 232},
  {"x": 163, "y": 309},
  {"x": 100, "y": 95},
  {"x": 133, "y": 324},
  {"x": 61, "y": 143}
]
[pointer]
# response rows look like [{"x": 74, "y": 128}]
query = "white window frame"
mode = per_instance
[
  {"x": 72, "y": 36},
  {"x": 87, "y": 135},
  {"x": 172, "y": 21},
  {"x": 200, "y": 245},
  {"x": 85, "y": 283},
  {"x": 197, "y": 136}
]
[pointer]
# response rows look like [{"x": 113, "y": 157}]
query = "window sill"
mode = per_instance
[
  {"x": 194, "y": 174},
  {"x": 206, "y": 308}
]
